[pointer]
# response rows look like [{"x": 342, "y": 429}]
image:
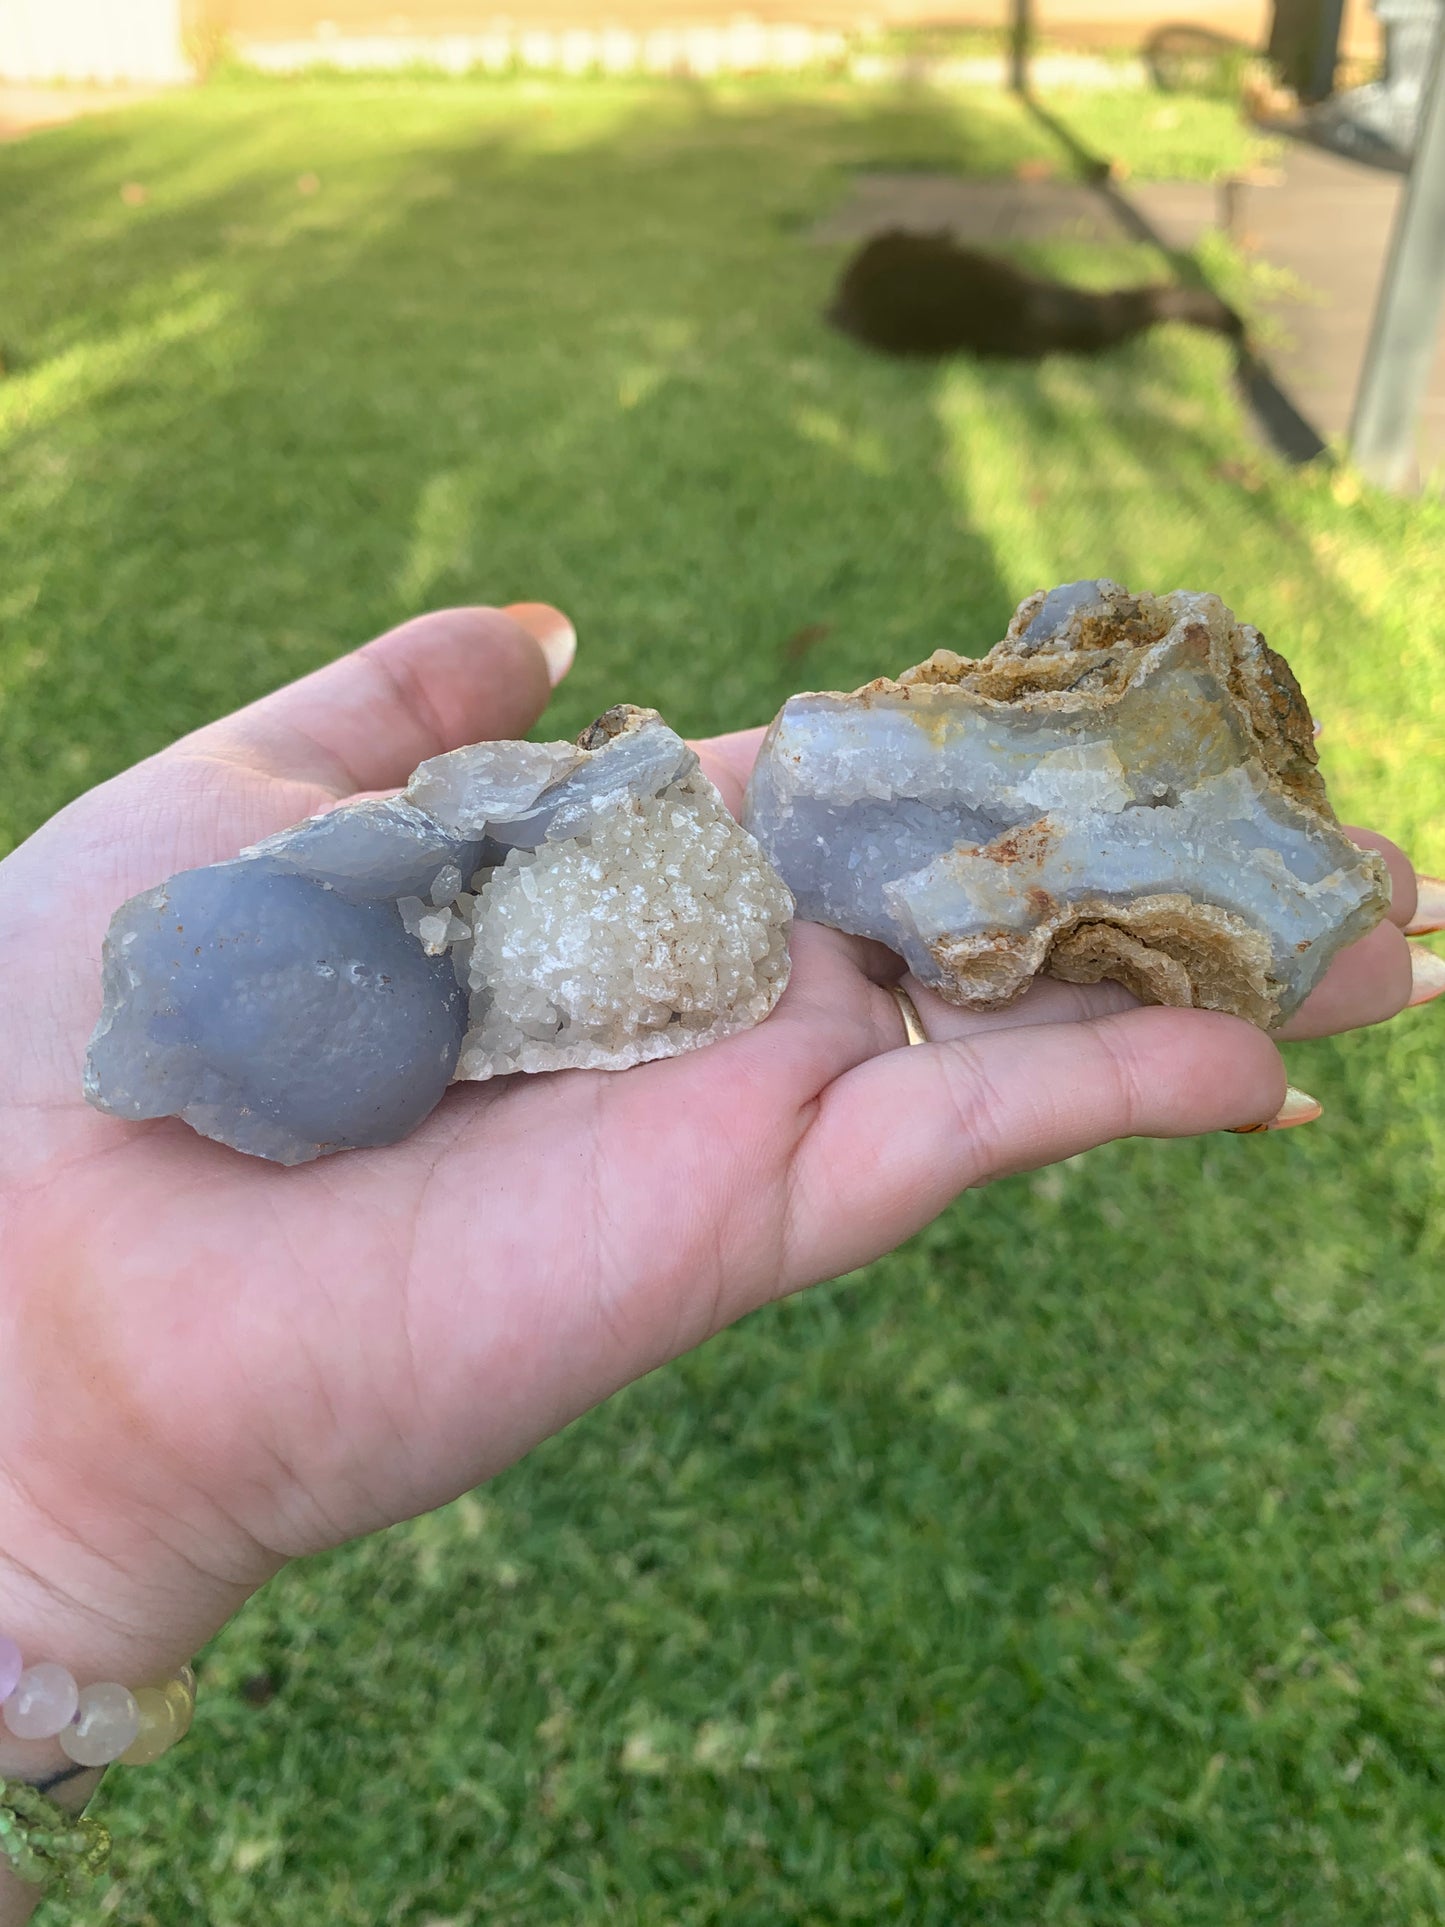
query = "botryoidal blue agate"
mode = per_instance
[
  {"x": 521, "y": 907},
  {"x": 1124, "y": 787}
]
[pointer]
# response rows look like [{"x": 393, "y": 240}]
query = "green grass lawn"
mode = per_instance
[{"x": 1082, "y": 1563}]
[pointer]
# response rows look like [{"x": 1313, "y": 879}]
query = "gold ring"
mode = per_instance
[{"x": 913, "y": 1029}]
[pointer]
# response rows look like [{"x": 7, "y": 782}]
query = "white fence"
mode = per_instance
[
  {"x": 744, "y": 46},
  {"x": 101, "y": 40}
]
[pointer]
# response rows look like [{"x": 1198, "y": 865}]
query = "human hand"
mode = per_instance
[{"x": 209, "y": 1364}]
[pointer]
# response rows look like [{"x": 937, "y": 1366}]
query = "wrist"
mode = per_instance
[
  {"x": 114, "y": 1564},
  {"x": 48, "y": 1628},
  {"x": 103, "y": 1620},
  {"x": 127, "y": 1612},
  {"x": 113, "y": 1561},
  {"x": 108, "y": 1614}
]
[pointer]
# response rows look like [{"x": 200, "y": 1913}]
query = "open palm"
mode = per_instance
[{"x": 209, "y": 1364}]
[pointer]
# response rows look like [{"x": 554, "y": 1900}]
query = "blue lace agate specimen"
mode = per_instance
[
  {"x": 274, "y": 1013},
  {"x": 1124, "y": 787},
  {"x": 524, "y": 906}
]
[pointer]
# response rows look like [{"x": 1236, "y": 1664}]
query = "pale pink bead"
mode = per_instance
[
  {"x": 44, "y": 1701},
  {"x": 11, "y": 1667},
  {"x": 106, "y": 1720}
]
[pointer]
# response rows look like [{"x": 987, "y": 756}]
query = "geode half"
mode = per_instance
[
  {"x": 521, "y": 907},
  {"x": 1124, "y": 787}
]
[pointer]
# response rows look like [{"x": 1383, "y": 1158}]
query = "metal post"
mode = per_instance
[
  {"x": 1325, "y": 54},
  {"x": 1021, "y": 40},
  {"x": 1407, "y": 313}
]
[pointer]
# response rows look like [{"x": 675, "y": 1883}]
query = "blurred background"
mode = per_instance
[{"x": 1082, "y": 1562}]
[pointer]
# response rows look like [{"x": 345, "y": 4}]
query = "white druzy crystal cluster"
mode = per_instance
[{"x": 660, "y": 929}]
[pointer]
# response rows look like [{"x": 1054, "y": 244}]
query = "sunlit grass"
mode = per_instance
[{"x": 1082, "y": 1563}]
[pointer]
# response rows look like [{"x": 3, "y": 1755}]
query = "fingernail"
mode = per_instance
[
  {"x": 1429, "y": 907},
  {"x": 1298, "y": 1108},
  {"x": 1427, "y": 975},
  {"x": 551, "y": 630}
]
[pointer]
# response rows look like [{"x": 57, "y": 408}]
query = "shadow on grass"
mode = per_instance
[
  {"x": 484, "y": 361},
  {"x": 1284, "y": 428}
]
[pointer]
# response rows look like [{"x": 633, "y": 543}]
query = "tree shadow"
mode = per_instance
[
  {"x": 1279, "y": 421},
  {"x": 1183, "y": 57}
]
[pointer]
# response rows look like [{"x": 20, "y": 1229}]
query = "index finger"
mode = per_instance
[
  {"x": 1404, "y": 892},
  {"x": 365, "y": 721},
  {"x": 729, "y": 761}
]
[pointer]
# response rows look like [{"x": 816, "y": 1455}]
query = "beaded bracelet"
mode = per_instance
[
  {"x": 44, "y": 1844},
  {"x": 94, "y": 1724}
]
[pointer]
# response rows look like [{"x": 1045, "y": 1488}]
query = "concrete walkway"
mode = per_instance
[
  {"x": 1000, "y": 213},
  {"x": 1328, "y": 222}
]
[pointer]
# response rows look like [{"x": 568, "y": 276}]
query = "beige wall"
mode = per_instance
[
  {"x": 146, "y": 40},
  {"x": 292, "y": 18},
  {"x": 1111, "y": 21}
]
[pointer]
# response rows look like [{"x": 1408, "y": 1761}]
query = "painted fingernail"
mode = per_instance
[
  {"x": 1429, "y": 907},
  {"x": 551, "y": 630},
  {"x": 1298, "y": 1108},
  {"x": 1427, "y": 975}
]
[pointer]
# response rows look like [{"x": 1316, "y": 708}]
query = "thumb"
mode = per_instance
[{"x": 365, "y": 721}]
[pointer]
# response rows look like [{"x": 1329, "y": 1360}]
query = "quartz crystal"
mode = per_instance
[
  {"x": 522, "y": 906},
  {"x": 44, "y": 1702},
  {"x": 106, "y": 1722},
  {"x": 1124, "y": 787}
]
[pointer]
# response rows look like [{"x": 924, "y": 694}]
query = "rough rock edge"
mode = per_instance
[
  {"x": 1166, "y": 949},
  {"x": 1093, "y": 658},
  {"x": 1170, "y": 948},
  {"x": 672, "y": 1040}
]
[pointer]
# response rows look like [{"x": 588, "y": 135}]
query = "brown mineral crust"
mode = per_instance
[
  {"x": 1096, "y": 950},
  {"x": 1133, "y": 622},
  {"x": 1166, "y": 949},
  {"x": 997, "y": 677},
  {"x": 1029, "y": 843},
  {"x": 612, "y": 722},
  {"x": 986, "y": 972},
  {"x": 1263, "y": 683},
  {"x": 1105, "y": 651}
]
